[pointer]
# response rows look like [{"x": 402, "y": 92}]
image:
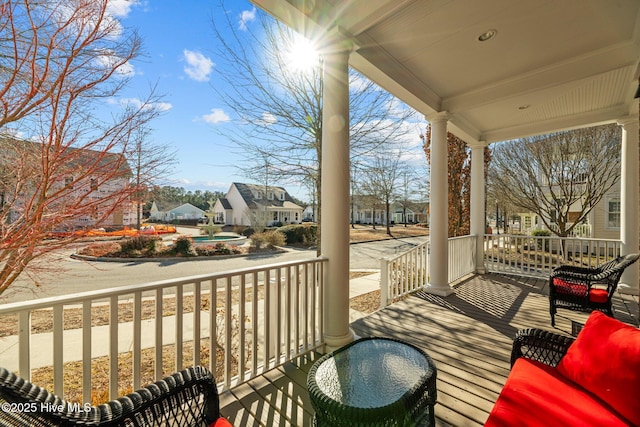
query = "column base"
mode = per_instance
[
  {"x": 334, "y": 343},
  {"x": 438, "y": 290},
  {"x": 623, "y": 288}
]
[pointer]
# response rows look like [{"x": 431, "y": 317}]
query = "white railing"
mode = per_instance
[
  {"x": 404, "y": 273},
  {"x": 408, "y": 272},
  {"x": 533, "y": 256},
  {"x": 462, "y": 257},
  {"x": 537, "y": 256},
  {"x": 250, "y": 320}
]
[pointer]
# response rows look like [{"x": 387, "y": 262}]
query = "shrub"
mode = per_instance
[
  {"x": 268, "y": 239},
  {"x": 300, "y": 234},
  {"x": 221, "y": 249},
  {"x": 138, "y": 245},
  {"x": 247, "y": 231},
  {"x": 100, "y": 249},
  {"x": 184, "y": 246},
  {"x": 542, "y": 233}
]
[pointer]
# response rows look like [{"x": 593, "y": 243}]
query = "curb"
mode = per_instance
[{"x": 175, "y": 259}]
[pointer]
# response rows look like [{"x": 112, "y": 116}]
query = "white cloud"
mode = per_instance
[
  {"x": 245, "y": 17},
  {"x": 198, "y": 66},
  {"x": 121, "y": 8},
  {"x": 137, "y": 103},
  {"x": 108, "y": 59},
  {"x": 216, "y": 116},
  {"x": 268, "y": 119}
]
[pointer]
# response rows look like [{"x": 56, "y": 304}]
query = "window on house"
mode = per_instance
[
  {"x": 527, "y": 222},
  {"x": 281, "y": 196},
  {"x": 613, "y": 212},
  {"x": 275, "y": 216},
  {"x": 296, "y": 216},
  {"x": 259, "y": 195},
  {"x": 68, "y": 182},
  {"x": 270, "y": 195}
]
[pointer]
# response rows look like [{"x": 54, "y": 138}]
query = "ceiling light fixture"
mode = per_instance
[{"x": 487, "y": 35}]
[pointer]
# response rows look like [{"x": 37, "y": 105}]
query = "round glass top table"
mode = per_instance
[{"x": 373, "y": 382}]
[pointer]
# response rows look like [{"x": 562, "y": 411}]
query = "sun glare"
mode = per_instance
[{"x": 303, "y": 56}]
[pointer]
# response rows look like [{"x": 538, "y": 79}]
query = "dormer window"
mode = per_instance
[
  {"x": 259, "y": 195},
  {"x": 270, "y": 195},
  {"x": 281, "y": 196}
]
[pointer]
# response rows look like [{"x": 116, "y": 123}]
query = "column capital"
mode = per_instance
[
  {"x": 438, "y": 116},
  {"x": 336, "y": 40},
  {"x": 628, "y": 121},
  {"x": 477, "y": 144}
]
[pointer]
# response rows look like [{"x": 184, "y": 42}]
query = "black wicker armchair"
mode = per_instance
[
  {"x": 186, "y": 398},
  {"x": 586, "y": 289},
  {"x": 543, "y": 346}
]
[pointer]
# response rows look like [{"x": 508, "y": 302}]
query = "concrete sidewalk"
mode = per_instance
[{"x": 42, "y": 344}]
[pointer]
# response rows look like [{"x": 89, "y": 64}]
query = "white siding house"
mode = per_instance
[
  {"x": 161, "y": 212},
  {"x": 251, "y": 205}
]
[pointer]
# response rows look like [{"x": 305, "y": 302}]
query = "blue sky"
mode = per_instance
[{"x": 179, "y": 60}]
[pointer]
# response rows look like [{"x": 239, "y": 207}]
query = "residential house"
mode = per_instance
[
  {"x": 172, "y": 211},
  {"x": 603, "y": 222},
  {"x": 413, "y": 213},
  {"x": 310, "y": 213},
  {"x": 88, "y": 188},
  {"x": 252, "y": 204}
]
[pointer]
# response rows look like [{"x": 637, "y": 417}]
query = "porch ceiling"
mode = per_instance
[{"x": 570, "y": 63}]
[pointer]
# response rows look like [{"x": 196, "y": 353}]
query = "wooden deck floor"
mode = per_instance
[{"x": 467, "y": 334}]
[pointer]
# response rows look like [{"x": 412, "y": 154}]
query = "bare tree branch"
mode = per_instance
[
  {"x": 560, "y": 177},
  {"x": 58, "y": 59}
]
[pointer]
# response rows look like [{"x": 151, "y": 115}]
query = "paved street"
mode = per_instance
[{"x": 83, "y": 275}]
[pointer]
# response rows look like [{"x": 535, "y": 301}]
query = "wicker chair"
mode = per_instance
[
  {"x": 186, "y": 398},
  {"x": 586, "y": 289},
  {"x": 543, "y": 346}
]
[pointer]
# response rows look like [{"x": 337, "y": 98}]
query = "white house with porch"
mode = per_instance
[{"x": 252, "y": 204}]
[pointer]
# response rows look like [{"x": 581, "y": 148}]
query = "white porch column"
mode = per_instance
[
  {"x": 439, "y": 208},
  {"x": 478, "y": 226},
  {"x": 334, "y": 238},
  {"x": 629, "y": 188}
]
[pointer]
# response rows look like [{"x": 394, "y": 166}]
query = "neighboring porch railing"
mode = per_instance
[
  {"x": 537, "y": 256},
  {"x": 250, "y": 320}
]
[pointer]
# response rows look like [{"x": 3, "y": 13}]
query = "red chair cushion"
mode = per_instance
[
  {"x": 536, "y": 395},
  {"x": 563, "y": 287},
  {"x": 595, "y": 295},
  {"x": 598, "y": 296},
  {"x": 605, "y": 360},
  {"x": 221, "y": 422}
]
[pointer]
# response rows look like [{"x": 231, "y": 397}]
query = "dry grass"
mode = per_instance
[
  {"x": 366, "y": 303},
  {"x": 365, "y": 233},
  {"x": 100, "y": 371}
]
